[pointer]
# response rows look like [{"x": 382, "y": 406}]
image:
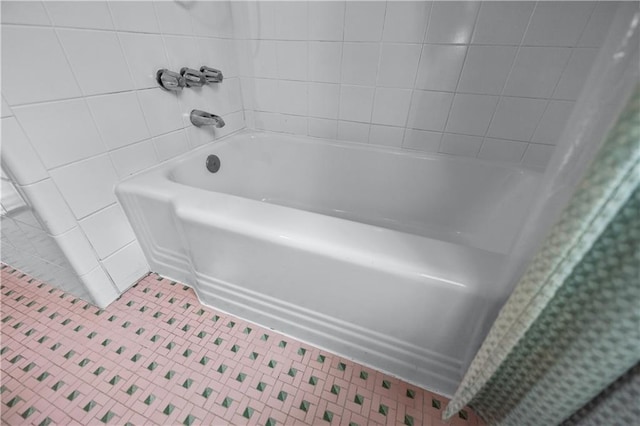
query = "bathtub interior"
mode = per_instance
[{"x": 472, "y": 203}]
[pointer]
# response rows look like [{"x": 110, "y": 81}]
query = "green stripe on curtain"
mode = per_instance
[{"x": 572, "y": 325}]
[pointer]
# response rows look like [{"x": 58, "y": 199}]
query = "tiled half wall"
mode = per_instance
[{"x": 493, "y": 80}]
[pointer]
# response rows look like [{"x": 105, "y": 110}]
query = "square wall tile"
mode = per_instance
[
  {"x": 502, "y": 22},
  {"x": 245, "y": 62},
  {"x": 182, "y": 50},
  {"x": 262, "y": 20},
  {"x": 537, "y": 155},
  {"x": 398, "y": 65},
  {"x": 294, "y": 124},
  {"x": 292, "y": 60},
  {"x": 325, "y": 60},
  {"x": 364, "y": 20},
  {"x": 87, "y": 185},
  {"x": 22, "y": 62},
  {"x": 198, "y": 136},
  {"x": 174, "y": 17},
  {"x": 97, "y": 61},
  {"x": 57, "y": 142},
  {"x": 119, "y": 119},
  {"x": 212, "y": 18},
  {"x": 171, "y": 145},
  {"x": 291, "y": 20},
  {"x": 356, "y": 103},
  {"x": 107, "y": 230},
  {"x": 324, "y": 100},
  {"x": 422, "y": 140},
  {"x": 386, "y": 136},
  {"x": 452, "y": 22},
  {"x": 502, "y": 150},
  {"x": 100, "y": 287},
  {"x": 353, "y": 132},
  {"x": 429, "y": 110},
  {"x": 471, "y": 114},
  {"x": 161, "y": 110},
  {"x": 360, "y": 63},
  {"x": 265, "y": 94},
  {"x": 22, "y": 12},
  {"x": 292, "y": 97},
  {"x": 145, "y": 55},
  {"x": 77, "y": 250},
  {"x": 598, "y": 25},
  {"x": 126, "y": 266},
  {"x": 323, "y": 128},
  {"x": 264, "y": 56},
  {"x": 90, "y": 14},
  {"x": 326, "y": 19},
  {"x": 391, "y": 106},
  {"x": 558, "y": 23},
  {"x": 553, "y": 122},
  {"x": 536, "y": 71},
  {"x": 516, "y": 118},
  {"x": 136, "y": 16},
  {"x": 467, "y": 146},
  {"x": 575, "y": 73},
  {"x": 406, "y": 21},
  {"x": 18, "y": 154},
  {"x": 440, "y": 67},
  {"x": 230, "y": 96},
  {"x": 220, "y": 54},
  {"x": 50, "y": 206},
  {"x": 134, "y": 158},
  {"x": 486, "y": 69},
  {"x": 270, "y": 121}
]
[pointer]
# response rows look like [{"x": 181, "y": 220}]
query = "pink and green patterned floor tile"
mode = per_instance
[{"x": 157, "y": 356}]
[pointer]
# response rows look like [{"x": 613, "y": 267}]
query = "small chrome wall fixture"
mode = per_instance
[
  {"x": 188, "y": 77},
  {"x": 212, "y": 75},
  {"x": 193, "y": 78},
  {"x": 170, "y": 80}
]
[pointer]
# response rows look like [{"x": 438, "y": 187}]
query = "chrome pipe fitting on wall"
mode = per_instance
[
  {"x": 188, "y": 77},
  {"x": 193, "y": 78},
  {"x": 170, "y": 80},
  {"x": 212, "y": 75}
]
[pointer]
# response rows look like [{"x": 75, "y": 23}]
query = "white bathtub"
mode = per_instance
[{"x": 390, "y": 258}]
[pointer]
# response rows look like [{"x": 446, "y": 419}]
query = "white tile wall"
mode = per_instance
[
  {"x": 107, "y": 230},
  {"x": 462, "y": 65},
  {"x": 68, "y": 144},
  {"x": 22, "y": 64},
  {"x": 171, "y": 145},
  {"x": 45, "y": 123},
  {"x": 327, "y": 22},
  {"x": 126, "y": 266},
  {"x": 27, "y": 245},
  {"x": 97, "y": 60},
  {"x": 87, "y": 185},
  {"x": 119, "y": 119},
  {"x": 17, "y": 151}
]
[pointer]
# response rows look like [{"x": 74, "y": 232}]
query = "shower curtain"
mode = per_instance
[{"x": 571, "y": 328}]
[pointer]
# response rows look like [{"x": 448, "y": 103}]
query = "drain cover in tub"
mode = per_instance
[{"x": 213, "y": 163}]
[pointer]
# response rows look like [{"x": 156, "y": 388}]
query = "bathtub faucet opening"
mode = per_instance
[{"x": 203, "y": 118}]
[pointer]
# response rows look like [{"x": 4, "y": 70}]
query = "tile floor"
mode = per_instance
[{"x": 156, "y": 356}]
